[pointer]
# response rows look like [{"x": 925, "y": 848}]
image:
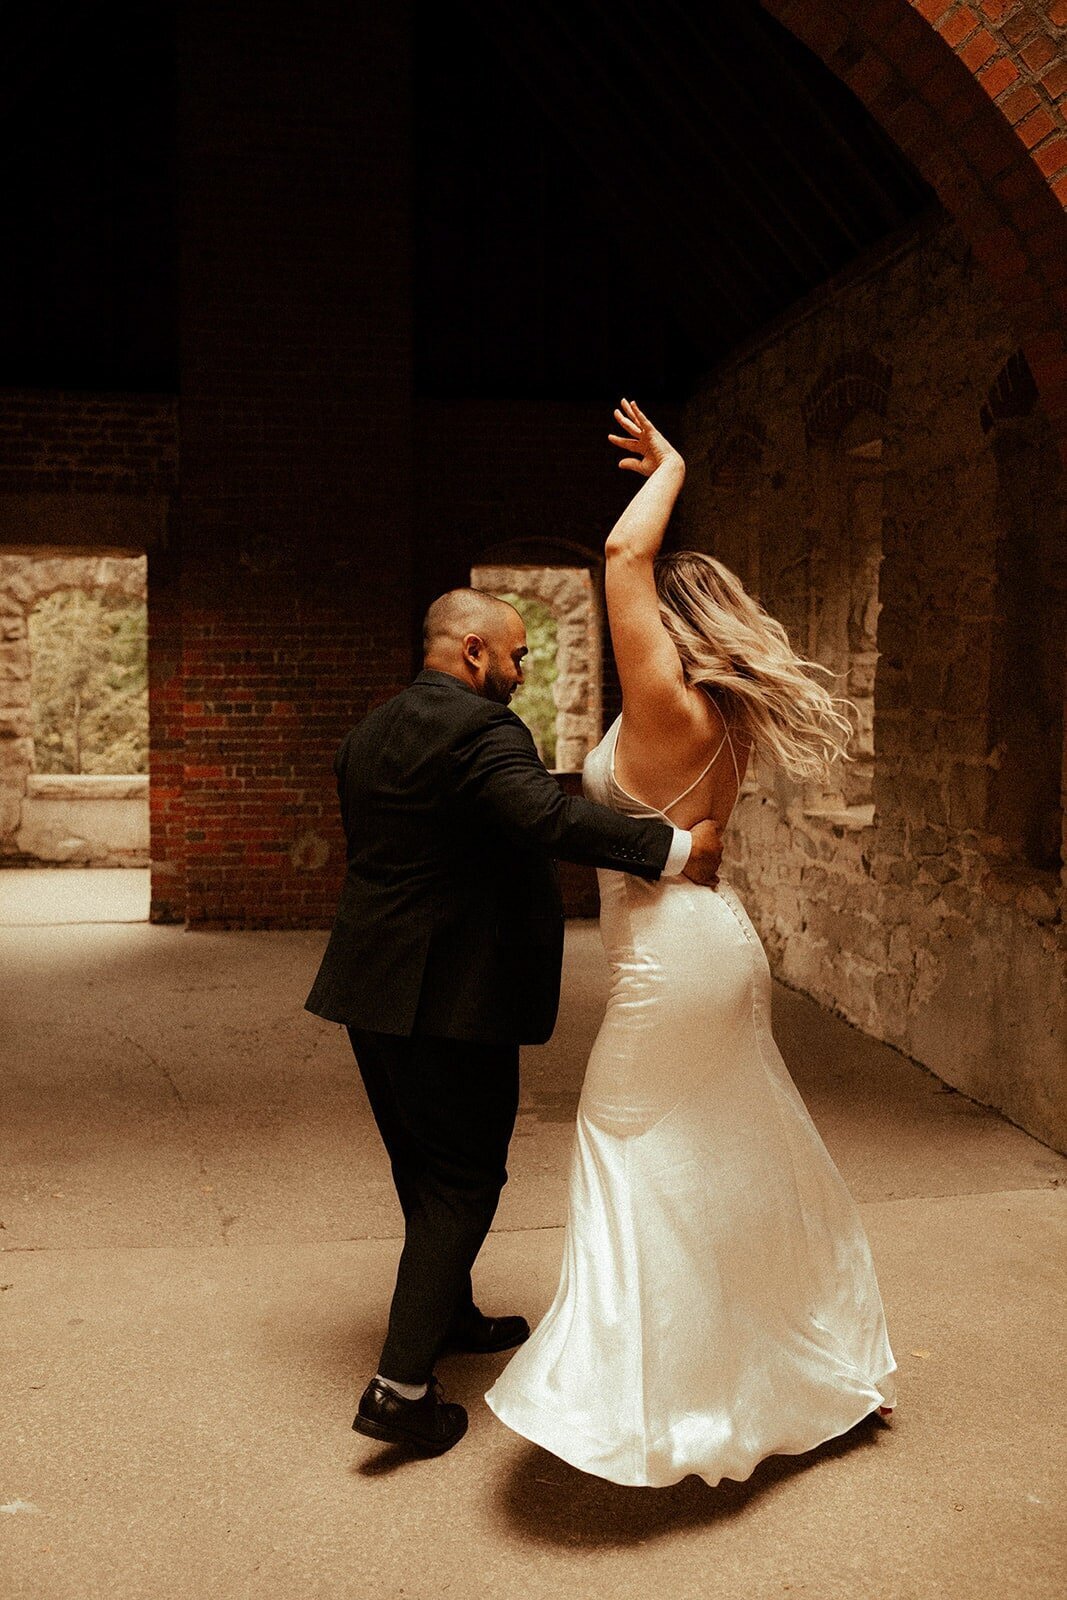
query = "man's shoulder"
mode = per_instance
[
  {"x": 460, "y": 706},
  {"x": 433, "y": 702}
]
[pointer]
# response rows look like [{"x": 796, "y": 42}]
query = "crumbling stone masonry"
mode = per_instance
[
  {"x": 881, "y": 472},
  {"x": 40, "y": 824}
]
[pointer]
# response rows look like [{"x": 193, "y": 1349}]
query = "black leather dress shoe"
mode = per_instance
[
  {"x": 430, "y": 1425},
  {"x": 486, "y": 1335}
]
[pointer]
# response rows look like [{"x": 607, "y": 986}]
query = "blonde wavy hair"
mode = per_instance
[{"x": 742, "y": 657}]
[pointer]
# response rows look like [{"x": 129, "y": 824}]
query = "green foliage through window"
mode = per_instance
[
  {"x": 89, "y": 683},
  {"x": 534, "y": 702}
]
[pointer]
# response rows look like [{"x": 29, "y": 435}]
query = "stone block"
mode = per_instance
[
  {"x": 928, "y": 841},
  {"x": 959, "y": 897},
  {"x": 968, "y": 797},
  {"x": 14, "y": 665},
  {"x": 20, "y": 591},
  {"x": 15, "y": 723},
  {"x": 928, "y": 683},
  {"x": 572, "y": 694},
  {"x": 17, "y": 756},
  {"x": 85, "y": 826},
  {"x": 891, "y": 997},
  {"x": 1040, "y": 901},
  {"x": 10, "y": 811}
]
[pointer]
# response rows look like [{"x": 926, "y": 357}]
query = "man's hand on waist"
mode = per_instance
[{"x": 705, "y": 856}]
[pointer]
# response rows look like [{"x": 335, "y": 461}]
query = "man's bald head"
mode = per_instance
[
  {"x": 477, "y": 638},
  {"x": 461, "y": 611}
]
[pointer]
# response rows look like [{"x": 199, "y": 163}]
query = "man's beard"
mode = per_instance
[{"x": 497, "y": 687}]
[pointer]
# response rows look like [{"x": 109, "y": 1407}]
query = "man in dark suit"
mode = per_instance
[{"x": 445, "y": 956}]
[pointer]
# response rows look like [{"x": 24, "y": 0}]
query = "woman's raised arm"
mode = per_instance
[{"x": 650, "y": 671}]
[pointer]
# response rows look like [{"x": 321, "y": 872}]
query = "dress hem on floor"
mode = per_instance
[{"x": 551, "y": 1432}]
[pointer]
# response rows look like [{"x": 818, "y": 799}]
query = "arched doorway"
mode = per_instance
[{"x": 568, "y": 597}]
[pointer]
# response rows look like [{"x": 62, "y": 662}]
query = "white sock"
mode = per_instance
[{"x": 406, "y": 1391}]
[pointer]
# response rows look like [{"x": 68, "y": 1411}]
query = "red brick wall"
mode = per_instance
[
  {"x": 64, "y": 454},
  {"x": 53, "y": 441},
  {"x": 294, "y": 506},
  {"x": 166, "y": 739}
]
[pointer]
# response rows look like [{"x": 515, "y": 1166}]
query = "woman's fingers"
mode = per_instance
[
  {"x": 627, "y": 422},
  {"x": 623, "y": 444}
]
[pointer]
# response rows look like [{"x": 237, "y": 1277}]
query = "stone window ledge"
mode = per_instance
[
  {"x": 86, "y": 786},
  {"x": 851, "y": 819}
]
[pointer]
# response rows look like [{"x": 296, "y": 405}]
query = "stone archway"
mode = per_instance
[
  {"x": 26, "y": 579},
  {"x": 975, "y": 97},
  {"x": 569, "y": 594}
]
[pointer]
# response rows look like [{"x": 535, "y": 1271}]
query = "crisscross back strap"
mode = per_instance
[{"x": 702, "y": 775}]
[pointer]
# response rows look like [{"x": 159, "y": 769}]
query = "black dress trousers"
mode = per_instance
[{"x": 445, "y": 1109}]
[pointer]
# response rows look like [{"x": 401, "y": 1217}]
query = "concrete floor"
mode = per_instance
[{"x": 199, "y": 1236}]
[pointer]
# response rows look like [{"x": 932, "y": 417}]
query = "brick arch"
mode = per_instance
[
  {"x": 734, "y": 460},
  {"x": 857, "y": 381},
  {"x": 975, "y": 95}
]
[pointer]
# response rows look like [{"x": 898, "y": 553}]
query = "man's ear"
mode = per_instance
[{"x": 473, "y": 647}]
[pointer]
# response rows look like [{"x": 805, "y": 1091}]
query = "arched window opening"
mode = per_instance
[{"x": 561, "y": 700}]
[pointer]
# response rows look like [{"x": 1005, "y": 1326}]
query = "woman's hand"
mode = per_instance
[{"x": 650, "y": 449}]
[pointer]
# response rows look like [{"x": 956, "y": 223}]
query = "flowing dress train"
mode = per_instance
[{"x": 717, "y": 1302}]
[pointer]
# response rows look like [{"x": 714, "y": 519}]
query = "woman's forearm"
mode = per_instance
[{"x": 640, "y": 529}]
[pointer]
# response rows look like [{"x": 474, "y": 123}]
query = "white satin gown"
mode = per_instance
[{"x": 717, "y": 1302}]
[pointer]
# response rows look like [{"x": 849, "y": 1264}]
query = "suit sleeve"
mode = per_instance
[
  {"x": 499, "y": 775},
  {"x": 339, "y": 764}
]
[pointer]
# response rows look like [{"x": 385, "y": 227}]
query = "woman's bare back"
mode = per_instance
[{"x": 689, "y": 770}]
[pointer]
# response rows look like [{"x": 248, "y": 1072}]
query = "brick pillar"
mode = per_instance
[
  {"x": 296, "y": 433},
  {"x": 165, "y": 740}
]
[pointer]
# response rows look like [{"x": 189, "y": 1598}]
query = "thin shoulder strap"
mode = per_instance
[{"x": 699, "y": 776}]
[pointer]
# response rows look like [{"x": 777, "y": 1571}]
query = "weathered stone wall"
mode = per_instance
[
  {"x": 879, "y": 470},
  {"x": 25, "y": 580},
  {"x": 569, "y": 593}
]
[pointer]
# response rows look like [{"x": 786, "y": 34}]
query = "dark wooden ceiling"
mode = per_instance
[
  {"x": 608, "y": 195},
  {"x": 88, "y": 270},
  {"x": 614, "y": 195}
]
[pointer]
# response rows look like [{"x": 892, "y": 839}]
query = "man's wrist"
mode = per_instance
[{"x": 678, "y": 854}]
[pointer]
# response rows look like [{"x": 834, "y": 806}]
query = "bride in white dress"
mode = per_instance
[{"x": 717, "y": 1302}]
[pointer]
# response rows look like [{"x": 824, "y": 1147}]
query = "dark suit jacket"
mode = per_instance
[{"x": 450, "y": 921}]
